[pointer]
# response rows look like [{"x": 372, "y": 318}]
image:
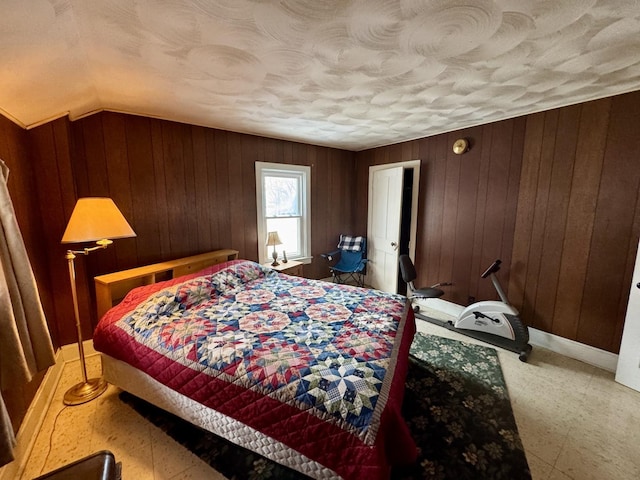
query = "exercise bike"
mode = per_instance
[{"x": 494, "y": 322}]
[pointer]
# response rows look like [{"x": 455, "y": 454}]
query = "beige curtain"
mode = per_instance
[{"x": 25, "y": 343}]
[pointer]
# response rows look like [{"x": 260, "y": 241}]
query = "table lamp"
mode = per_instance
[{"x": 274, "y": 239}]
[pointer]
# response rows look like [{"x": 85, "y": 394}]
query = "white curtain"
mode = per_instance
[{"x": 25, "y": 342}]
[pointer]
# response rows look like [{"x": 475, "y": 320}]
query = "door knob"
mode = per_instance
[
  {"x": 394, "y": 245},
  {"x": 638, "y": 284}
]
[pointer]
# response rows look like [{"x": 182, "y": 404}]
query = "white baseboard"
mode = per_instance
[
  {"x": 576, "y": 350},
  {"x": 26, "y": 437},
  {"x": 564, "y": 346}
]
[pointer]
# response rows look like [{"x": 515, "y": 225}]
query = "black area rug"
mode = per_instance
[{"x": 456, "y": 405}]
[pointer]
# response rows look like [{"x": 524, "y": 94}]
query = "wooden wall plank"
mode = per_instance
[
  {"x": 237, "y": 184},
  {"x": 321, "y": 210},
  {"x": 143, "y": 190},
  {"x": 482, "y": 145},
  {"x": 515, "y": 170},
  {"x": 95, "y": 158},
  {"x": 430, "y": 245},
  {"x": 524, "y": 217},
  {"x": 176, "y": 188},
  {"x": 468, "y": 187},
  {"x": 161, "y": 211},
  {"x": 337, "y": 189},
  {"x": 556, "y": 218},
  {"x": 250, "y": 153},
  {"x": 496, "y": 204},
  {"x": 407, "y": 151},
  {"x": 50, "y": 188},
  {"x": 326, "y": 214},
  {"x": 190, "y": 172},
  {"x": 539, "y": 213},
  {"x": 585, "y": 182},
  {"x": 287, "y": 152},
  {"x": 450, "y": 210},
  {"x": 63, "y": 144},
  {"x": 223, "y": 189},
  {"x": 361, "y": 188},
  {"x": 201, "y": 201},
  {"x": 319, "y": 229},
  {"x": 212, "y": 175},
  {"x": 123, "y": 251}
]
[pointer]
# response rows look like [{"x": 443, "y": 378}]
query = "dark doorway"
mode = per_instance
[{"x": 405, "y": 222}]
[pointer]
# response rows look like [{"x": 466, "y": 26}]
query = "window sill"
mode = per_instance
[{"x": 304, "y": 260}]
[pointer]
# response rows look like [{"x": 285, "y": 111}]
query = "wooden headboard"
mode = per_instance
[{"x": 112, "y": 287}]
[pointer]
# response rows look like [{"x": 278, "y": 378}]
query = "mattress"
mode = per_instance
[{"x": 143, "y": 386}]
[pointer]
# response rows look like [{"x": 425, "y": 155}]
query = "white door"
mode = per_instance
[
  {"x": 383, "y": 233},
  {"x": 628, "y": 370}
]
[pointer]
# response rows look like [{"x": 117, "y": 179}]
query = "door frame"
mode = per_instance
[
  {"x": 409, "y": 164},
  {"x": 628, "y": 367}
]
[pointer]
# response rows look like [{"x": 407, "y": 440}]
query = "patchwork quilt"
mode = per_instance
[{"x": 317, "y": 366}]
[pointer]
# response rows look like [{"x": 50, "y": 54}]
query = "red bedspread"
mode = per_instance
[{"x": 317, "y": 366}]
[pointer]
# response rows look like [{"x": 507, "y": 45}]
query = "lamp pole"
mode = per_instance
[{"x": 89, "y": 388}]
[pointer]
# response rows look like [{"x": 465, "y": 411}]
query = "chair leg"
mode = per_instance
[
  {"x": 348, "y": 278},
  {"x": 357, "y": 278}
]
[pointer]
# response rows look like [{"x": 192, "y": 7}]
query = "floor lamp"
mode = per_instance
[{"x": 92, "y": 220}]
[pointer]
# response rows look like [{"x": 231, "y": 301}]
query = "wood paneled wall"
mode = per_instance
[
  {"x": 184, "y": 189},
  {"x": 579, "y": 220},
  {"x": 555, "y": 195}
]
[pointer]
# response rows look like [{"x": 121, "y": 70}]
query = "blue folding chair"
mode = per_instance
[{"x": 351, "y": 260}]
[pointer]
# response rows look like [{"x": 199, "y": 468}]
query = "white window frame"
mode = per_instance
[{"x": 264, "y": 169}]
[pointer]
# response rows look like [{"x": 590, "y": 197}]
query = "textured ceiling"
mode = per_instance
[{"x": 351, "y": 74}]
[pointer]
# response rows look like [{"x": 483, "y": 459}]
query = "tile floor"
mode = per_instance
[{"x": 574, "y": 420}]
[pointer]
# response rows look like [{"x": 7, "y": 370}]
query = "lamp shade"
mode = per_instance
[
  {"x": 273, "y": 239},
  {"x": 96, "y": 219}
]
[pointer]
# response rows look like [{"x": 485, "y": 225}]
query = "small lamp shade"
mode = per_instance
[
  {"x": 273, "y": 239},
  {"x": 96, "y": 219}
]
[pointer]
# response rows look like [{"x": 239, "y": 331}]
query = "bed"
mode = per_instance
[{"x": 307, "y": 373}]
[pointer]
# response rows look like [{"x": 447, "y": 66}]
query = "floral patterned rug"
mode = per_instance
[
  {"x": 458, "y": 410},
  {"x": 456, "y": 405}
]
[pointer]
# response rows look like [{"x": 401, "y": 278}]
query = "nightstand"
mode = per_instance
[{"x": 292, "y": 267}]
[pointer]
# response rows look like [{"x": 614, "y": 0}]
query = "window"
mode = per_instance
[{"x": 283, "y": 200}]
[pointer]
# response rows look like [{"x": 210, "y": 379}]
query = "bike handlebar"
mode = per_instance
[{"x": 495, "y": 266}]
